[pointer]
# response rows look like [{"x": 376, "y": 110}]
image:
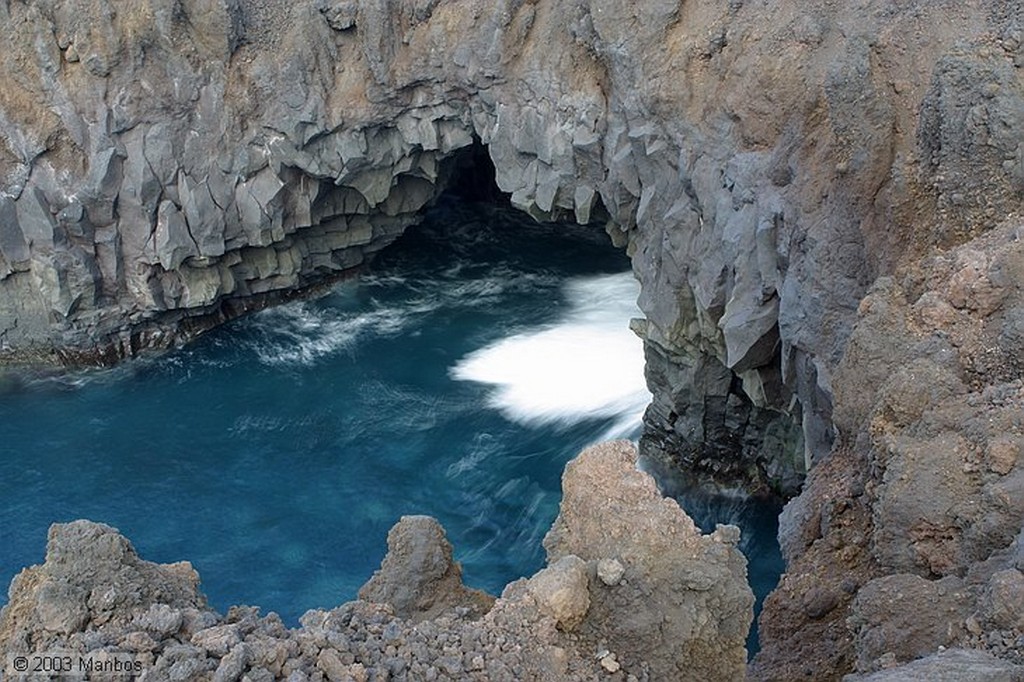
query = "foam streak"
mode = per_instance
[{"x": 588, "y": 365}]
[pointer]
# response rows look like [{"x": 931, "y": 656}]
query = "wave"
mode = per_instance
[
  {"x": 303, "y": 332},
  {"x": 588, "y": 365}
]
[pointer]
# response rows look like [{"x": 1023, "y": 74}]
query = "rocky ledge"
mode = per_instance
[
  {"x": 632, "y": 591},
  {"x": 821, "y": 201}
]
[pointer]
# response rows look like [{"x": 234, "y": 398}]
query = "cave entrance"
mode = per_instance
[{"x": 472, "y": 222}]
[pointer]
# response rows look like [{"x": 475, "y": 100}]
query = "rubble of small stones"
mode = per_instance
[
  {"x": 821, "y": 201},
  {"x": 93, "y": 593}
]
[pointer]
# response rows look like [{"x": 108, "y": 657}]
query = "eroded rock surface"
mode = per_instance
[
  {"x": 654, "y": 612},
  {"x": 165, "y": 167},
  {"x": 952, "y": 665},
  {"x": 908, "y": 535},
  {"x": 811, "y": 194},
  {"x": 94, "y": 594},
  {"x": 418, "y": 577}
]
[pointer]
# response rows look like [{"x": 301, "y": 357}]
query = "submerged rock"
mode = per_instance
[{"x": 665, "y": 619}]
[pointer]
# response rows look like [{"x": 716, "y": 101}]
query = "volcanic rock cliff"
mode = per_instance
[{"x": 821, "y": 201}]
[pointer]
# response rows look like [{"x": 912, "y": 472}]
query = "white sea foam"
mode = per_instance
[
  {"x": 588, "y": 365},
  {"x": 300, "y": 333}
]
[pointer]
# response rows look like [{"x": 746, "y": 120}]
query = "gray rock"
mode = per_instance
[
  {"x": 160, "y": 620},
  {"x": 93, "y": 578},
  {"x": 886, "y": 620},
  {"x": 610, "y": 509},
  {"x": 418, "y": 576},
  {"x": 93, "y": 593},
  {"x": 1003, "y": 601},
  {"x": 233, "y": 664},
  {"x": 951, "y": 665},
  {"x": 172, "y": 239},
  {"x": 610, "y": 571},
  {"x": 14, "y": 249},
  {"x": 218, "y": 640},
  {"x": 788, "y": 188}
]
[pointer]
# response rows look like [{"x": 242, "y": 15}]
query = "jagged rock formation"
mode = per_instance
[
  {"x": 570, "y": 621},
  {"x": 418, "y": 577},
  {"x": 910, "y": 536},
  {"x": 168, "y": 166},
  {"x": 660, "y": 574},
  {"x": 767, "y": 167}
]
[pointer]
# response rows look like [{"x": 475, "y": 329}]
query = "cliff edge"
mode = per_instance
[
  {"x": 632, "y": 591},
  {"x": 818, "y": 198}
]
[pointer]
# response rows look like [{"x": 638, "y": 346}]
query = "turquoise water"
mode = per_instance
[{"x": 455, "y": 379}]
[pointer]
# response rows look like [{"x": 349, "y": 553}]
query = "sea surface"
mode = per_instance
[{"x": 455, "y": 378}]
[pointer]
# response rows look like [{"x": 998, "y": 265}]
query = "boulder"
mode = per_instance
[{"x": 418, "y": 576}]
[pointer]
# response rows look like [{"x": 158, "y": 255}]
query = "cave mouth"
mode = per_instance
[
  {"x": 472, "y": 178},
  {"x": 301, "y": 433},
  {"x": 472, "y": 192},
  {"x": 318, "y": 402}
]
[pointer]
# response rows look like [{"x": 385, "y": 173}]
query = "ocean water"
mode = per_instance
[{"x": 455, "y": 378}]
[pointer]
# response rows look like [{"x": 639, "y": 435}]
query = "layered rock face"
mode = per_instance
[
  {"x": 767, "y": 166},
  {"x": 588, "y": 616},
  {"x": 166, "y": 167}
]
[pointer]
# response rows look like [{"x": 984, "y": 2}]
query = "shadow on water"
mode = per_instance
[{"x": 757, "y": 519}]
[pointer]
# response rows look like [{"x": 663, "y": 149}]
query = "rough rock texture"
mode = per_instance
[
  {"x": 418, "y": 577},
  {"x": 165, "y": 167},
  {"x": 168, "y": 166},
  {"x": 93, "y": 578},
  {"x": 952, "y": 665},
  {"x": 810, "y": 193},
  {"x": 654, "y": 612},
  {"x": 907, "y": 538},
  {"x": 94, "y": 594}
]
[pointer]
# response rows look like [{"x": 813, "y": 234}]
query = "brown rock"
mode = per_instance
[
  {"x": 418, "y": 576},
  {"x": 1003, "y": 601},
  {"x": 1003, "y": 453},
  {"x": 889, "y": 618},
  {"x": 687, "y": 606},
  {"x": 561, "y": 590}
]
